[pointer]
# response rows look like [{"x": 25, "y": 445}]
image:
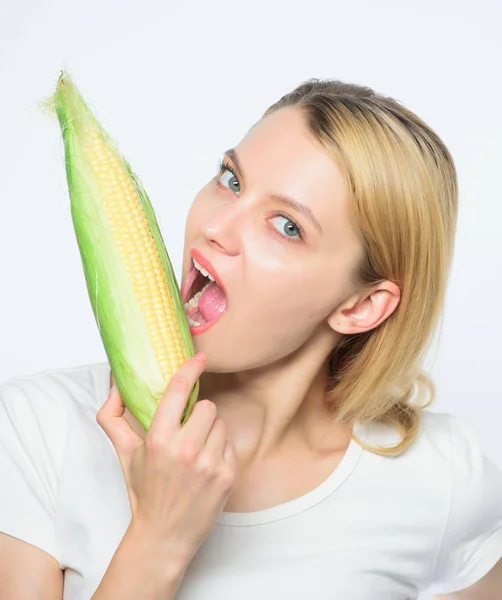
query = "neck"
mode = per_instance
[{"x": 279, "y": 406}]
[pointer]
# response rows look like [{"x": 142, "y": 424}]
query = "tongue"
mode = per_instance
[{"x": 212, "y": 302}]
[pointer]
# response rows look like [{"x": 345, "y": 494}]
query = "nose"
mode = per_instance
[{"x": 223, "y": 228}]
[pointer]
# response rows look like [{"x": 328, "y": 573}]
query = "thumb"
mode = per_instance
[{"x": 111, "y": 418}]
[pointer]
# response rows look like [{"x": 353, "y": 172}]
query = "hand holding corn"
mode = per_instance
[{"x": 178, "y": 477}]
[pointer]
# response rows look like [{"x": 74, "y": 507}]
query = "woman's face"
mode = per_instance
[{"x": 284, "y": 272}]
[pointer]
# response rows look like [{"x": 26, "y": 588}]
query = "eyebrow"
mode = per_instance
[{"x": 294, "y": 204}]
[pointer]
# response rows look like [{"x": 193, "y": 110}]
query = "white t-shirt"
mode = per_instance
[{"x": 378, "y": 528}]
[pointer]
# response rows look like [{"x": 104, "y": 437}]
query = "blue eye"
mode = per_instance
[
  {"x": 289, "y": 228},
  {"x": 230, "y": 181}
]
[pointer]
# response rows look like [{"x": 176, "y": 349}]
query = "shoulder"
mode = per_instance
[
  {"x": 432, "y": 441},
  {"x": 35, "y": 408},
  {"x": 454, "y": 440},
  {"x": 445, "y": 482},
  {"x": 445, "y": 459},
  {"x": 44, "y": 394},
  {"x": 437, "y": 432}
]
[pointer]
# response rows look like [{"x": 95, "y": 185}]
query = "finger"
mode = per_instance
[
  {"x": 200, "y": 424},
  {"x": 167, "y": 418},
  {"x": 113, "y": 422}
]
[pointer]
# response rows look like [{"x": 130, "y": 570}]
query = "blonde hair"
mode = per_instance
[{"x": 403, "y": 191}]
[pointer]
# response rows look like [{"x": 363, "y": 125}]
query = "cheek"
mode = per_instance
[{"x": 302, "y": 297}]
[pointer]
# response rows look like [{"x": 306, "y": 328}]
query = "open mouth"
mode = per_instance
[{"x": 204, "y": 300}]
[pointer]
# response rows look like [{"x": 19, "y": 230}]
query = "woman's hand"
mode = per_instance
[{"x": 178, "y": 478}]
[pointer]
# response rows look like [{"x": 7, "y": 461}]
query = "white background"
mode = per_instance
[{"x": 176, "y": 83}]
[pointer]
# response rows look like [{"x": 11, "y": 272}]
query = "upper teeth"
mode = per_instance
[{"x": 202, "y": 270}]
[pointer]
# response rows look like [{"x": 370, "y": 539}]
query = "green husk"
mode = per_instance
[{"x": 119, "y": 318}]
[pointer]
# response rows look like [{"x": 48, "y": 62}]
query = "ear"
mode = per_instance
[{"x": 362, "y": 313}]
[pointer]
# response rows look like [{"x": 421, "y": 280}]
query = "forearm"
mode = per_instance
[{"x": 141, "y": 570}]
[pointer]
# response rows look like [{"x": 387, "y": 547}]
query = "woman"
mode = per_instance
[{"x": 310, "y": 469}]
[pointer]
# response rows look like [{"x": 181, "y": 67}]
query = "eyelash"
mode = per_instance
[{"x": 222, "y": 166}]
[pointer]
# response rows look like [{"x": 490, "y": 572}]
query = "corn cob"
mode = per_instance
[{"x": 130, "y": 280}]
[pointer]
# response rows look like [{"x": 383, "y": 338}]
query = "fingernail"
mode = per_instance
[
  {"x": 113, "y": 389},
  {"x": 200, "y": 356}
]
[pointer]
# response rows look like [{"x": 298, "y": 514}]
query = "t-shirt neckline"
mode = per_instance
[{"x": 309, "y": 499}]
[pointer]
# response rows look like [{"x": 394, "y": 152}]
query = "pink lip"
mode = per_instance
[{"x": 202, "y": 328}]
